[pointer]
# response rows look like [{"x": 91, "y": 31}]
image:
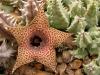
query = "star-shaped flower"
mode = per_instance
[{"x": 37, "y": 41}]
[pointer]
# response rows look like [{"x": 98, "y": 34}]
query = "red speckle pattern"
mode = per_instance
[{"x": 45, "y": 53}]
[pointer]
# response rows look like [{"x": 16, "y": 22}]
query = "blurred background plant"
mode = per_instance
[{"x": 81, "y": 17}]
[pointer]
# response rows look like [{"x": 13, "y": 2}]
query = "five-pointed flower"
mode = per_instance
[{"x": 37, "y": 41}]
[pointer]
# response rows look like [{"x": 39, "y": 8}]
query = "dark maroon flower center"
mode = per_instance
[{"x": 35, "y": 41}]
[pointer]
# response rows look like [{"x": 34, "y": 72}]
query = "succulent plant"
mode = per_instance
[
  {"x": 6, "y": 2},
  {"x": 78, "y": 25},
  {"x": 90, "y": 16},
  {"x": 27, "y": 12},
  {"x": 92, "y": 68},
  {"x": 88, "y": 43},
  {"x": 79, "y": 17},
  {"x": 6, "y": 8},
  {"x": 61, "y": 13},
  {"x": 57, "y": 14}
]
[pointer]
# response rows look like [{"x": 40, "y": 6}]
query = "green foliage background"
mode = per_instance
[{"x": 81, "y": 17}]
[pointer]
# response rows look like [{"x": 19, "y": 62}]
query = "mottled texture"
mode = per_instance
[
  {"x": 45, "y": 52},
  {"x": 29, "y": 9},
  {"x": 5, "y": 51}
]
